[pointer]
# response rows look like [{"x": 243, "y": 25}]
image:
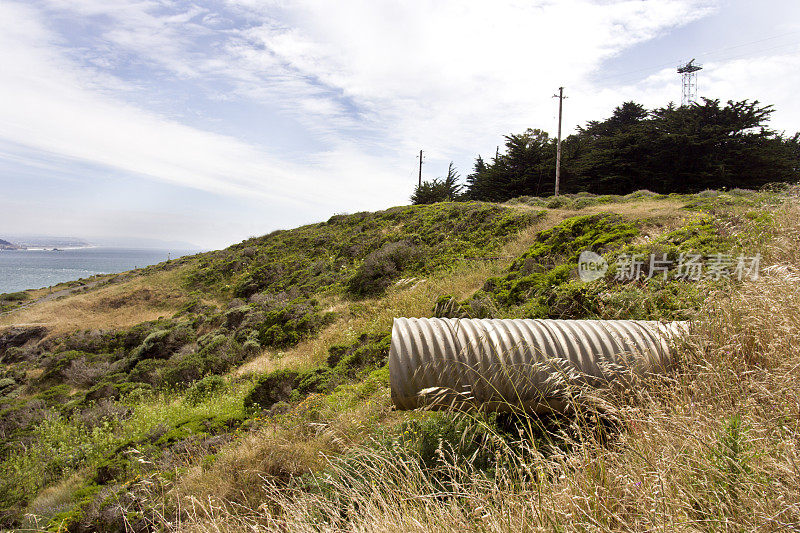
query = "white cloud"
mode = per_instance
[
  {"x": 771, "y": 79},
  {"x": 371, "y": 81},
  {"x": 445, "y": 74},
  {"x": 49, "y": 104}
]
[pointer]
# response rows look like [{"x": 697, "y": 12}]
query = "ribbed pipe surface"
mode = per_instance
[{"x": 438, "y": 362}]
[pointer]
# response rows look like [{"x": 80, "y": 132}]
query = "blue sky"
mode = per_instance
[{"x": 212, "y": 121}]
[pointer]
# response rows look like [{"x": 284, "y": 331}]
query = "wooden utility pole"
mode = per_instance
[
  {"x": 420, "y": 168},
  {"x": 560, "y": 97}
]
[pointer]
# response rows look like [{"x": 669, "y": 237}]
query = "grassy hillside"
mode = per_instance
[{"x": 247, "y": 388}]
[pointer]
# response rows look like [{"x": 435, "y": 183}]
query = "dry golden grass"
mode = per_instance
[
  {"x": 640, "y": 209},
  {"x": 284, "y": 447},
  {"x": 50, "y": 501},
  {"x": 119, "y": 305},
  {"x": 714, "y": 446}
]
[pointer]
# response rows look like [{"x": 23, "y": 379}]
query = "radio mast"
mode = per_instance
[{"x": 688, "y": 74}]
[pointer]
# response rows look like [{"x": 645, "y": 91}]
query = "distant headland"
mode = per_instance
[{"x": 42, "y": 243}]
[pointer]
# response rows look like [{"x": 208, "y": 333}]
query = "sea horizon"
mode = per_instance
[{"x": 36, "y": 268}]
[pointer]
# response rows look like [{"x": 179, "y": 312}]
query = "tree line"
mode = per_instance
[{"x": 682, "y": 149}]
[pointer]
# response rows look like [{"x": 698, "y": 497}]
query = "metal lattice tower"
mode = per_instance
[{"x": 688, "y": 74}]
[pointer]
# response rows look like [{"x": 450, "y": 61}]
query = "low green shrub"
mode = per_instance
[
  {"x": 272, "y": 388},
  {"x": 317, "y": 379},
  {"x": 368, "y": 351},
  {"x": 162, "y": 343},
  {"x": 344, "y": 361},
  {"x": 287, "y": 324},
  {"x": 114, "y": 390},
  {"x": 148, "y": 371},
  {"x": 552, "y": 260},
  {"x": 533, "y": 201},
  {"x": 7, "y": 385},
  {"x": 641, "y": 193},
  {"x": 251, "y": 346},
  {"x": 380, "y": 268},
  {"x": 14, "y": 297},
  {"x": 57, "y": 364},
  {"x": 701, "y": 236},
  {"x": 198, "y": 425},
  {"x": 206, "y": 387},
  {"x": 55, "y": 395},
  {"x": 559, "y": 202}
]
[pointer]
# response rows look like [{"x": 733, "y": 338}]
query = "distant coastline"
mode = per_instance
[
  {"x": 48, "y": 248},
  {"x": 42, "y": 243},
  {"x": 36, "y": 268}
]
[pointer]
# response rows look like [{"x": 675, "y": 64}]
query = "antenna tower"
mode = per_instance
[{"x": 688, "y": 74}]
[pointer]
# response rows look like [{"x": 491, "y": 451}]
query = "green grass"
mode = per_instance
[
  {"x": 14, "y": 297},
  {"x": 11, "y": 300},
  {"x": 325, "y": 256},
  {"x": 109, "y": 410},
  {"x": 543, "y": 281},
  {"x": 65, "y": 445},
  {"x": 280, "y": 275},
  {"x": 554, "y": 257}
]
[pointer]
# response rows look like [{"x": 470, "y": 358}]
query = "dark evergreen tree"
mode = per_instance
[
  {"x": 520, "y": 169},
  {"x": 438, "y": 189},
  {"x": 614, "y": 151},
  {"x": 474, "y": 179},
  {"x": 670, "y": 149}
]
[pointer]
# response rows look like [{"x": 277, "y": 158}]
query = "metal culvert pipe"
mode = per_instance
[{"x": 506, "y": 364}]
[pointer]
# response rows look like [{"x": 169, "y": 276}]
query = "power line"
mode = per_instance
[
  {"x": 733, "y": 58},
  {"x": 752, "y": 42},
  {"x": 708, "y": 52}
]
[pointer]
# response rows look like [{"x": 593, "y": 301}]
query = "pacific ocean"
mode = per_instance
[{"x": 34, "y": 269}]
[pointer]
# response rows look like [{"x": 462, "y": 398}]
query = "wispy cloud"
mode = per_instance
[
  {"x": 121, "y": 85},
  {"x": 441, "y": 73},
  {"x": 433, "y": 73},
  {"x": 50, "y": 104}
]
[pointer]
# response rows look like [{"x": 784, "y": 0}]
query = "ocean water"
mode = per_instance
[{"x": 33, "y": 269}]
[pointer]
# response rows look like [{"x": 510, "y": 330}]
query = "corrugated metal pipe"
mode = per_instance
[{"x": 530, "y": 364}]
